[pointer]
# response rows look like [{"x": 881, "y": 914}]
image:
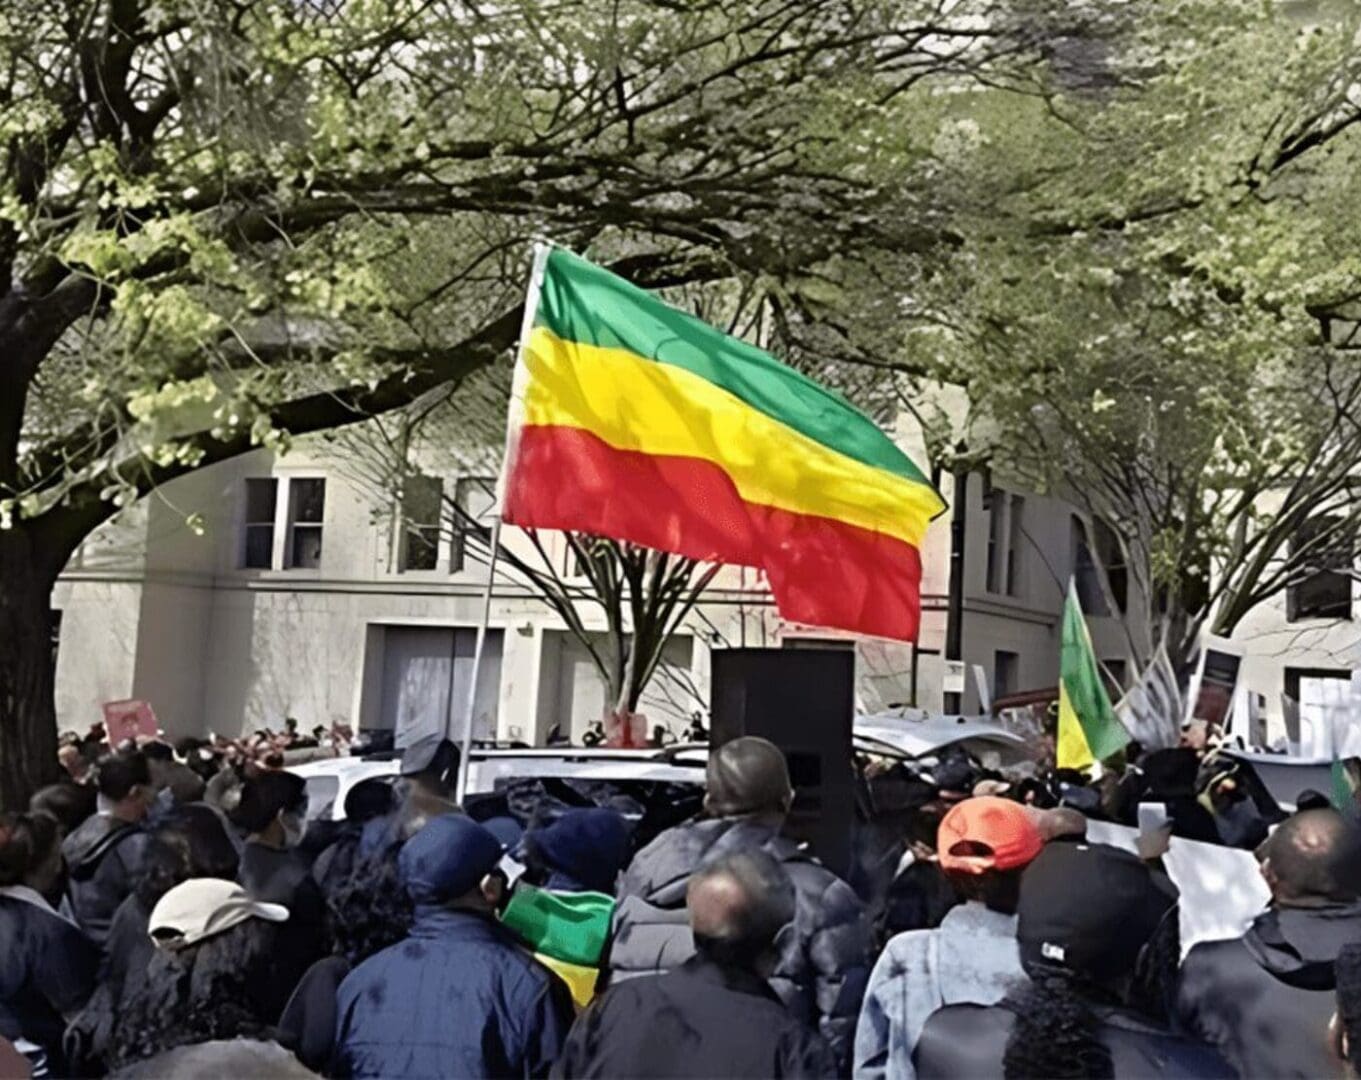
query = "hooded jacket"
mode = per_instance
[
  {"x": 103, "y": 856},
  {"x": 824, "y": 963},
  {"x": 47, "y": 973},
  {"x": 1265, "y": 999}
]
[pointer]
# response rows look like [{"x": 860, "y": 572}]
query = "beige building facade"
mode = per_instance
[{"x": 271, "y": 587}]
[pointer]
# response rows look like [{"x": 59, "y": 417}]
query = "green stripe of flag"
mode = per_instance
[
  {"x": 1081, "y": 678},
  {"x": 582, "y": 302}
]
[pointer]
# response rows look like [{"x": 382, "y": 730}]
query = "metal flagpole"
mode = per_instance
[
  {"x": 541, "y": 250},
  {"x": 466, "y": 742}
]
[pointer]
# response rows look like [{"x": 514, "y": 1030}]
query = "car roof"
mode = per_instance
[{"x": 903, "y": 733}]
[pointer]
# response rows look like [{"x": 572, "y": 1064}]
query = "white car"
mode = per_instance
[{"x": 903, "y": 734}]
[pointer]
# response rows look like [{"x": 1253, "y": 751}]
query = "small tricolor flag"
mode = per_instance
[
  {"x": 1088, "y": 728},
  {"x": 634, "y": 420},
  {"x": 567, "y": 932}
]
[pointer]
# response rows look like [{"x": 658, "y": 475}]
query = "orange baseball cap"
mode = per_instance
[{"x": 987, "y": 833}]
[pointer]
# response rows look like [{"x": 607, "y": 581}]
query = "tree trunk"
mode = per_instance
[{"x": 28, "y": 727}]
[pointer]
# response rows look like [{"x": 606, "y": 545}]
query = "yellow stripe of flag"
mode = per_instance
[{"x": 637, "y": 404}]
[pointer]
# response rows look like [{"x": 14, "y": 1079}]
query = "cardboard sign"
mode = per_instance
[
  {"x": 1213, "y": 685},
  {"x": 129, "y": 719}
]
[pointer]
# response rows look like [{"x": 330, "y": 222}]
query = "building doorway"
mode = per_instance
[{"x": 426, "y": 673}]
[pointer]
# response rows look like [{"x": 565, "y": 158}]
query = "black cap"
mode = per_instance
[
  {"x": 1088, "y": 909},
  {"x": 955, "y": 772},
  {"x": 433, "y": 755}
]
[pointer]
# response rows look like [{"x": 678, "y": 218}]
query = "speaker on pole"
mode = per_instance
[{"x": 802, "y": 700}]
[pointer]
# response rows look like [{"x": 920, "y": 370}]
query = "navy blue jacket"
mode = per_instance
[
  {"x": 47, "y": 971},
  {"x": 104, "y": 856},
  {"x": 458, "y": 997}
]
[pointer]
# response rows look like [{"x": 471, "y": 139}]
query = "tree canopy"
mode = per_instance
[
  {"x": 225, "y": 223},
  {"x": 1151, "y": 310}
]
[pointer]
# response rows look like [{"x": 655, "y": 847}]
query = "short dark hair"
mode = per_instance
[
  {"x": 158, "y": 751},
  {"x": 998, "y": 890},
  {"x": 743, "y": 931},
  {"x": 1313, "y": 855},
  {"x": 119, "y": 773},
  {"x": 264, "y": 796},
  {"x": 26, "y": 842},
  {"x": 69, "y": 803},
  {"x": 193, "y": 843},
  {"x": 369, "y": 799}
]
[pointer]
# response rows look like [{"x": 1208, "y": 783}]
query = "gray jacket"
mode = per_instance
[
  {"x": 826, "y": 961},
  {"x": 971, "y": 958}
]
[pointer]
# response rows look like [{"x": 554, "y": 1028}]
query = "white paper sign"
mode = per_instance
[{"x": 1222, "y": 889}]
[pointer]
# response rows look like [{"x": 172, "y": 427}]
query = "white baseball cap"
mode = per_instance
[{"x": 195, "y": 910}]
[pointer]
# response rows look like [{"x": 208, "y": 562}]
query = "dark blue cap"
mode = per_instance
[
  {"x": 506, "y": 829},
  {"x": 589, "y": 846},
  {"x": 447, "y": 859}
]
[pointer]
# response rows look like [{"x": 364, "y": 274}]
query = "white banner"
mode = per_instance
[{"x": 1222, "y": 889}]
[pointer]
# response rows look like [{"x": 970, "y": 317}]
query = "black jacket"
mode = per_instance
[
  {"x": 700, "y": 1020},
  {"x": 822, "y": 974},
  {"x": 103, "y": 857},
  {"x": 1265, "y": 999},
  {"x": 971, "y": 1041},
  {"x": 308, "y": 1024},
  {"x": 284, "y": 877}
]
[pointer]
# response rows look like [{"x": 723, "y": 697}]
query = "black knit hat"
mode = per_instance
[{"x": 1088, "y": 909}]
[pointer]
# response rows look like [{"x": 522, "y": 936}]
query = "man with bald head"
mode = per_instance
[
  {"x": 1262, "y": 999},
  {"x": 715, "y": 1015},
  {"x": 824, "y": 959}
]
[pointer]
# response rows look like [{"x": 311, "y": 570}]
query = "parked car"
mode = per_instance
[{"x": 901, "y": 734}]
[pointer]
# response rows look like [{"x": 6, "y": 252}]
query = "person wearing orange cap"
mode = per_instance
[{"x": 983, "y": 845}]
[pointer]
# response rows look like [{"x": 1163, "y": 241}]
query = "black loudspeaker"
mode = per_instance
[{"x": 802, "y": 700}]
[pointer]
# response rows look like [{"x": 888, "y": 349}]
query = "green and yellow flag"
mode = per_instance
[{"x": 1088, "y": 728}]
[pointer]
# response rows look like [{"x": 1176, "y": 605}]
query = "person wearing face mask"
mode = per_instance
[
  {"x": 273, "y": 870},
  {"x": 104, "y": 855},
  {"x": 49, "y": 966},
  {"x": 458, "y": 997},
  {"x": 716, "y": 1014}
]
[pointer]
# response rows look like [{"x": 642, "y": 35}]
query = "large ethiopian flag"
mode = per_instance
[{"x": 634, "y": 420}]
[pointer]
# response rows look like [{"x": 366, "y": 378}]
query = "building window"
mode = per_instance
[
  {"x": 1015, "y": 532},
  {"x": 306, "y": 510},
  {"x": 1111, "y": 553},
  {"x": 422, "y": 509},
  {"x": 1086, "y": 572},
  {"x": 1004, "y": 673},
  {"x": 261, "y": 503},
  {"x": 1323, "y": 588},
  {"x": 1005, "y": 534},
  {"x": 475, "y": 498}
]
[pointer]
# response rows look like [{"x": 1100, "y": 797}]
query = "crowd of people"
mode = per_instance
[{"x": 173, "y": 911}]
